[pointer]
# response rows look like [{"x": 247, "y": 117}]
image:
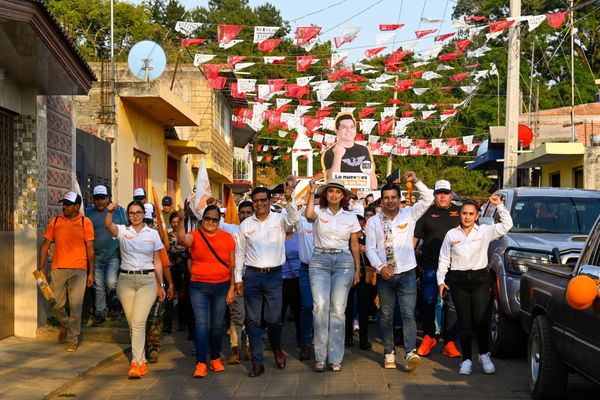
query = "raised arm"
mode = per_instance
[
  {"x": 506, "y": 223},
  {"x": 309, "y": 213},
  {"x": 108, "y": 220},
  {"x": 184, "y": 239}
]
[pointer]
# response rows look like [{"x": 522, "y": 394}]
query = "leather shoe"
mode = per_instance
[
  {"x": 304, "y": 353},
  {"x": 279, "y": 358},
  {"x": 257, "y": 370}
]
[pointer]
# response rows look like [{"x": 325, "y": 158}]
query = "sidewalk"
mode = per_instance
[{"x": 34, "y": 369}]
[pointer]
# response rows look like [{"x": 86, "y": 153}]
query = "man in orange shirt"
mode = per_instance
[{"x": 72, "y": 265}]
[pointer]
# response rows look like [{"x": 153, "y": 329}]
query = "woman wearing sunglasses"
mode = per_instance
[
  {"x": 211, "y": 286},
  {"x": 140, "y": 279}
]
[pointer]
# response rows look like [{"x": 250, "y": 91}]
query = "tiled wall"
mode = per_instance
[
  {"x": 26, "y": 169},
  {"x": 60, "y": 142}
]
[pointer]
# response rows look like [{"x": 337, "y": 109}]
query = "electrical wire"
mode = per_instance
[
  {"x": 318, "y": 11},
  {"x": 354, "y": 16}
]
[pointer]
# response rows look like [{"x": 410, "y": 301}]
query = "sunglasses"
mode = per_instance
[
  {"x": 213, "y": 220},
  {"x": 135, "y": 213}
]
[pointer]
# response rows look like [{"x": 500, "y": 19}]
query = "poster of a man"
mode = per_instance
[{"x": 347, "y": 160}]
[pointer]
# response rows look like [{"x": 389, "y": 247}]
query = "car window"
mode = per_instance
[
  {"x": 590, "y": 254},
  {"x": 570, "y": 215},
  {"x": 489, "y": 210}
]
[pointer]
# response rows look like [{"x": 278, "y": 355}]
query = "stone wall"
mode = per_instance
[
  {"x": 60, "y": 150},
  {"x": 591, "y": 166}
]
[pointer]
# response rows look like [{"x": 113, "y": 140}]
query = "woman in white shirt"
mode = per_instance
[
  {"x": 141, "y": 277},
  {"x": 333, "y": 269},
  {"x": 462, "y": 269}
]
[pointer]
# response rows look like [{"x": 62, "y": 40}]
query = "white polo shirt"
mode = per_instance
[
  {"x": 403, "y": 228},
  {"x": 261, "y": 244},
  {"x": 332, "y": 232},
  {"x": 137, "y": 248},
  {"x": 462, "y": 252}
]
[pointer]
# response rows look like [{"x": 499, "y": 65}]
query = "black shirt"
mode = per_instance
[
  {"x": 356, "y": 159},
  {"x": 432, "y": 228}
]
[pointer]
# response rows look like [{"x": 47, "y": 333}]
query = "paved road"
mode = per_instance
[{"x": 361, "y": 377}]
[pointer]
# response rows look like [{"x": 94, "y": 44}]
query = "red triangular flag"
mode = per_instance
[
  {"x": 385, "y": 125},
  {"x": 459, "y": 77},
  {"x": 461, "y": 45},
  {"x": 403, "y": 85},
  {"x": 268, "y": 45},
  {"x": 443, "y": 37},
  {"x": 475, "y": 18},
  {"x": 370, "y": 53},
  {"x": 416, "y": 74},
  {"x": 305, "y": 34},
  {"x": 232, "y": 60},
  {"x": 217, "y": 83},
  {"x": 226, "y": 33},
  {"x": 366, "y": 111},
  {"x": 275, "y": 85},
  {"x": 211, "y": 70},
  {"x": 233, "y": 91},
  {"x": 304, "y": 62},
  {"x": 500, "y": 25},
  {"x": 557, "y": 19},
  {"x": 395, "y": 58},
  {"x": 395, "y": 101},
  {"x": 350, "y": 87},
  {"x": 191, "y": 42},
  {"x": 297, "y": 91},
  {"x": 448, "y": 57},
  {"x": 390, "y": 27},
  {"x": 426, "y": 32}
]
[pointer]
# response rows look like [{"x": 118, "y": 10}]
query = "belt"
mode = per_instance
[
  {"x": 264, "y": 270},
  {"x": 332, "y": 251},
  {"x": 138, "y": 272}
]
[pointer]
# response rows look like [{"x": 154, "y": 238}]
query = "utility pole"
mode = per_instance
[
  {"x": 390, "y": 159},
  {"x": 572, "y": 75},
  {"x": 513, "y": 102}
]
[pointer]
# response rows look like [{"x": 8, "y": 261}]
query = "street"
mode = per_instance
[{"x": 361, "y": 377}]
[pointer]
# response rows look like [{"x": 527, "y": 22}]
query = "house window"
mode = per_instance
[
  {"x": 171, "y": 177},
  {"x": 555, "y": 179},
  {"x": 140, "y": 169},
  {"x": 578, "y": 177}
]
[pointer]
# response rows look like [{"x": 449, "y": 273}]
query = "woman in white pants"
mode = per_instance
[{"x": 140, "y": 279}]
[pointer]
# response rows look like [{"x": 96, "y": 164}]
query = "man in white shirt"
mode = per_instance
[
  {"x": 390, "y": 250},
  {"x": 261, "y": 250},
  {"x": 306, "y": 248}
]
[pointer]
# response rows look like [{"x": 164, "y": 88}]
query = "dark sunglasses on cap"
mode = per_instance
[{"x": 213, "y": 220}]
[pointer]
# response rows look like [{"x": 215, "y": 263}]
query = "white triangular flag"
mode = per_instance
[
  {"x": 230, "y": 44},
  {"x": 241, "y": 66},
  {"x": 304, "y": 80},
  {"x": 459, "y": 24},
  {"x": 187, "y": 28},
  {"x": 262, "y": 33},
  {"x": 366, "y": 125},
  {"x": 468, "y": 89},
  {"x": 246, "y": 85},
  {"x": 420, "y": 91},
  {"x": 273, "y": 59},
  {"x": 381, "y": 38},
  {"x": 202, "y": 191},
  {"x": 535, "y": 20},
  {"x": 429, "y": 75},
  {"x": 202, "y": 58},
  {"x": 281, "y": 102}
]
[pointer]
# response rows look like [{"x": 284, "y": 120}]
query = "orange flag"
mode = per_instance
[
  {"x": 164, "y": 258},
  {"x": 231, "y": 215}
]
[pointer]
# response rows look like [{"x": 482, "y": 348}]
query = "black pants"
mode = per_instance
[
  {"x": 471, "y": 294},
  {"x": 291, "y": 298},
  {"x": 365, "y": 294}
]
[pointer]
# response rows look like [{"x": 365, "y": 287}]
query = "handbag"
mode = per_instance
[{"x": 213, "y": 250}]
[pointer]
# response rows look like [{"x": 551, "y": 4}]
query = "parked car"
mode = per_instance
[
  {"x": 544, "y": 219},
  {"x": 560, "y": 309}
]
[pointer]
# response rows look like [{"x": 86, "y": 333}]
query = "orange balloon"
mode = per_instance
[{"x": 581, "y": 292}]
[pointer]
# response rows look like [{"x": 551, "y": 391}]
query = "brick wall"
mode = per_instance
[{"x": 60, "y": 142}]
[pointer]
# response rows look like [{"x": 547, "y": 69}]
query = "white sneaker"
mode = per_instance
[
  {"x": 487, "y": 364},
  {"x": 466, "y": 367},
  {"x": 412, "y": 361},
  {"x": 390, "y": 361}
]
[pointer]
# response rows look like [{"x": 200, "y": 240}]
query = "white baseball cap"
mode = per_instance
[
  {"x": 442, "y": 186},
  {"x": 71, "y": 198},
  {"x": 139, "y": 192},
  {"x": 149, "y": 210},
  {"x": 100, "y": 190}
]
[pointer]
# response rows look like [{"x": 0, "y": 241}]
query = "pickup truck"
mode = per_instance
[
  {"x": 562, "y": 338},
  {"x": 543, "y": 219}
]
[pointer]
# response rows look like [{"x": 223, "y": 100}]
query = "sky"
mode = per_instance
[{"x": 407, "y": 12}]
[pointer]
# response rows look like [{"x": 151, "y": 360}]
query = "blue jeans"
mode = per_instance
[
  {"x": 209, "y": 302},
  {"x": 306, "y": 312},
  {"x": 259, "y": 287},
  {"x": 105, "y": 285},
  {"x": 331, "y": 276},
  {"x": 430, "y": 301},
  {"x": 403, "y": 287}
]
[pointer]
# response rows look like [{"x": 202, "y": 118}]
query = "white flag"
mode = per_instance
[
  {"x": 367, "y": 125},
  {"x": 273, "y": 59},
  {"x": 304, "y": 80},
  {"x": 202, "y": 58},
  {"x": 468, "y": 89},
  {"x": 301, "y": 110},
  {"x": 282, "y": 102},
  {"x": 535, "y": 20},
  {"x": 427, "y": 114},
  {"x": 420, "y": 91},
  {"x": 459, "y": 24},
  {"x": 372, "y": 103},
  {"x": 337, "y": 58},
  {"x": 318, "y": 137},
  {"x": 241, "y": 66},
  {"x": 187, "y": 28},
  {"x": 246, "y": 85},
  {"x": 381, "y": 38},
  {"x": 202, "y": 191},
  {"x": 429, "y": 75},
  {"x": 411, "y": 44},
  {"x": 475, "y": 31},
  {"x": 230, "y": 44},
  {"x": 262, "y": 33},
  {"x": 388, "y": 112},
  {"x": 323, "y": 94},
  {"x": 282, "y": 134},
  {"x": 467, "y": 139},
  {"x": 326, "y": 103},
  {"x": 329, "y": 138}
]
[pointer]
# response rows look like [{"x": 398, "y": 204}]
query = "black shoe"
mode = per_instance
[
  {"x": 304, "y": 353},
  {"x": 365, "y": 345},
  {"x": 280, "y": 360},
  {"x": 257, "y": 370},
  {"x": 98, "y": 320}
]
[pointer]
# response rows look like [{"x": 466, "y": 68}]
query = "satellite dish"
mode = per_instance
[{"x": 147, "y": 60}]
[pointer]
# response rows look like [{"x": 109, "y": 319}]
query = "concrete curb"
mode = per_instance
[{"x": 123, "y": 353}]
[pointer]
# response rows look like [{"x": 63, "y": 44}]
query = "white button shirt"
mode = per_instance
[
  {"x": 403, "y": 228},
  {"x": 332, "y": 232},
  {"x": 462, "y": 252},
  {"x": 137, "y": 248},
  {"x": 261, "y": 244},
  {"x": 306, "y": 242}
]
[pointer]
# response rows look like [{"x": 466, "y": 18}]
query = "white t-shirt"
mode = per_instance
[{"x": 137, "y": 248}]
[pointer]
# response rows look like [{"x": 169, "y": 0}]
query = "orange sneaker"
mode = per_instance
[
  {"x": 216, "y": 365},
  {"x": 134, "y": 371},
  {"x": 200, "y": 371},
  {"x": 427, "y": 344},
  {"x": 451, "y": 351},
  {"x": 144, "y": 368}
]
